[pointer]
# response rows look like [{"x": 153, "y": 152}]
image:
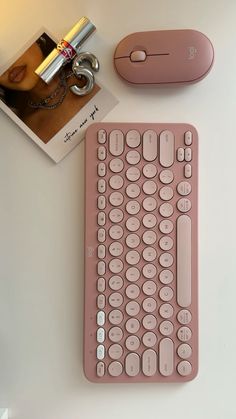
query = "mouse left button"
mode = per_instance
[{"x": 138, "y": 56}]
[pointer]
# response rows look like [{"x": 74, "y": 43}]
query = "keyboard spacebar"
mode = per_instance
[{"x": 184, "y": 260}]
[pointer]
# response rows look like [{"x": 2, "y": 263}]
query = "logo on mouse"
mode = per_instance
[{"x": 192, "y": 52}]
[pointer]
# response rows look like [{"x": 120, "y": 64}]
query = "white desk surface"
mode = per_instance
[{"x": 41, "y": 228}]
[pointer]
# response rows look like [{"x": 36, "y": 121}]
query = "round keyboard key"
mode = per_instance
[
  {"x": 149, "y": 187},
  {"x": 166, "y": 193},
  {"x": 115, "y": 351},
  {"x": 184, "y": 351},
  {"x": 116, "y": 215},
  {"x": 184, "y": 188},
  {"x": 149, "y": 170},
  {"x": 149, "y": 204},
  {"x": 132, "y": 257},
  {"x": 149, "y": 322},
  {"x": 115, "y": 369},
  {"x": 115, "y": 334},
  {"x": 184, "y": 316},
  {"x": 133, "y": 138},
  {"x": 132, "y": 308},
  {"x": 132, "y": 274},
  {"x": 133, "y": 207},
  {"x": 132, "y": 343},
  {"x": 149, "y": 220},
  {"x": 132, "y": 240},
  {"x": 166, "y": 243},
  {"x": 149, "y": 237},
  {"x": 149, "y": 339},
  {"x": 166, "y": 176},
  {"x": 184, "y": 205},
  {"x": 133, "y": 190},
  {"x": 116, "y": 232},
  {"x": 166, "y": 328},
  {"x": 116, "y": 182},
  {"x": 132, "y": 326},
  {"x": 149, "y": 271},
  {"x": 166, "y": 226},
  {"x": 184, "y": 368},
  {"x": 133, "y": 157},
  {"x": 133, "y": 174},
  {"x": 184, "y": 334},
  {"x": 166, "y": 311},
  {"x": 166, "y": 210},
  {"x": 166, "y": 293},
  {"x": 115, "y": 283},
  {"x": 132, "y": 291},
  {"x": 116, "y": 266},
  {"x": 149, "y": 254},
  {"x": 149, "y": 305},
  {"x": 116, "y": 199},
  {"x": 115, "y": 299},
  {"x": 166, "y": 260},
  {"x": 115, "y": 317},
  {"x": 149, "y": 288},
  {"x": 116, "y": 165},
  {"x": 132, "y": 224},
  {"x": 166, "y": 276},
  {"x": 116, "y": 249}
]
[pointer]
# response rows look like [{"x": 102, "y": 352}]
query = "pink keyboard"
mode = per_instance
[{"x": 140, "y": 322}]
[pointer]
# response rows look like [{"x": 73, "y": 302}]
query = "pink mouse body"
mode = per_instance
[{"x": 164, "y": 57}]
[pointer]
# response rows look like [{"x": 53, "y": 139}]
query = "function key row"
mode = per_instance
[
  {"x": 149, "y": 141},
  {"x": 133, "y": 138}
]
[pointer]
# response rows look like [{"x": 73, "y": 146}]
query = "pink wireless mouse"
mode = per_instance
[{"x": 164, "y": 57}]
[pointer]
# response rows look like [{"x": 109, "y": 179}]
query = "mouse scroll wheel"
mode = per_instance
[{"x": 138, "y": 56}]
